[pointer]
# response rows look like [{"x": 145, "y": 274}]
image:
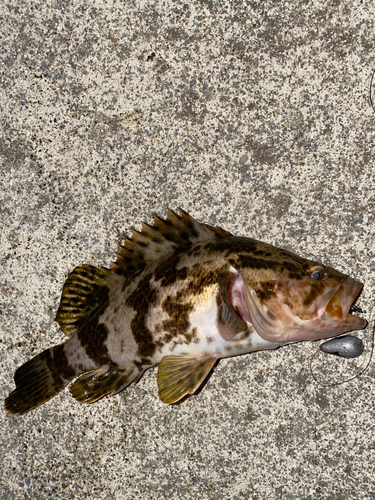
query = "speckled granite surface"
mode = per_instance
[{"x": 251, "y": 115}]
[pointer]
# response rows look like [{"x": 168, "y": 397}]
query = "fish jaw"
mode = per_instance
[
  {"x": 339, "y": 306},
  {"x": 331, "y": 318},
  {"x": 336, "y": 314},
  {"x": 333, "y": 315}
]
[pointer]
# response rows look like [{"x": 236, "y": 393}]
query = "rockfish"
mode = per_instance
[{"x": 181, "y": 295}]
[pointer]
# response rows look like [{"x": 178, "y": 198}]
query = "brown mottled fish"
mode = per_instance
[{"x": 181, "y": 295}]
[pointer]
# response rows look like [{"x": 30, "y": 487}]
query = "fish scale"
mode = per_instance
[{"x": 181, "y": 295}]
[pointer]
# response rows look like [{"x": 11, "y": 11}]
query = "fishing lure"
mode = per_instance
[{"x": 345, "y": 347}]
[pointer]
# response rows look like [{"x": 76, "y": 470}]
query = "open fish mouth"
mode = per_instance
[
  {"x": 341, "y": 305},
  {"x": 335, "y": 314}
]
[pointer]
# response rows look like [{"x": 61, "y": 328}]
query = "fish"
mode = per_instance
[{"x": 181, "y": 295}]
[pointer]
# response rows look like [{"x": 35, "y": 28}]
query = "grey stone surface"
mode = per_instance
[{"x": 251, "y": 115}]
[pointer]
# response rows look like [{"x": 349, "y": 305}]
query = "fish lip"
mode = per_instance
[{"x": 339, "y": 305}]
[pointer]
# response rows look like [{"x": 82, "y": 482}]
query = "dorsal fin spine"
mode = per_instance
[{"x": 164, "y": 237}]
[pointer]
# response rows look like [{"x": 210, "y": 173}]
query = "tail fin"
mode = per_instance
[{"x": 39, "y": 380}]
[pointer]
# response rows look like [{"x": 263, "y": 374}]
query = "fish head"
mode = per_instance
[{"x": 289, "y": 299}]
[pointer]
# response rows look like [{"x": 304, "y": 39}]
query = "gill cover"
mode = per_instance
[{"x": 248, "y": 306}]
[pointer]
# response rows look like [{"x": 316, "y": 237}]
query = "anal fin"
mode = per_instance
[
  {"x": 105, "y": 381},
  {"x": 181, "y": 375}
]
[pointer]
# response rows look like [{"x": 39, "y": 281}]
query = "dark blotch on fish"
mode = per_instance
[
  {"x": 179, "y": 323},
  {"x": 315, "y": 291},
  {"x": 59, "y": 364},
  {"x": 141, "y": 300},
  {"x": 92, "y": 335}
]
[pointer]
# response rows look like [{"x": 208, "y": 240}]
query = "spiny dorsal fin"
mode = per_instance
[
  {"x": 163, "y": 238},
  {"x": 181, "y": 375},
  {"x": 85, "y": 289}
]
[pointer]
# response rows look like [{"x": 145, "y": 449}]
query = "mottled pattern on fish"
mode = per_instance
[{"x": 181, "y": 295}]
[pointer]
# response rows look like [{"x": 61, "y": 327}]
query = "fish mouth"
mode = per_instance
[{"x": 341, "y": 304}]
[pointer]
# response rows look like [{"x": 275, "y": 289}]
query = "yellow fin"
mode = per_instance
[
  {"x": 105, "y": 381},
  {"x": 181, "y": 375}
]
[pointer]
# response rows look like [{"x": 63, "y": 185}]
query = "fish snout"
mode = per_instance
[{"x": 339, "y": 306}]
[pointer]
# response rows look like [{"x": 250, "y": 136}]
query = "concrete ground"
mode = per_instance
[{"x": 254, "y": 116}]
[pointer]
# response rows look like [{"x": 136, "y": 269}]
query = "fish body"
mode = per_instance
[{"x": 181, "y": 295}]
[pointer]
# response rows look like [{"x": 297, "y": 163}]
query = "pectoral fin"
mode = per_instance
[{"x": 181, "y": 375}]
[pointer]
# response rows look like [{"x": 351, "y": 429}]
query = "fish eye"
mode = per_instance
[{"x": 317, "y": 273}]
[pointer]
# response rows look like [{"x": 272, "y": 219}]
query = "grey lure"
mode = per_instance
[{"x": 345, "y": 347}]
